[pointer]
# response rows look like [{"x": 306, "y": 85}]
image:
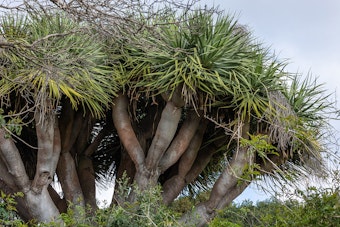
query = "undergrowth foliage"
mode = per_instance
[
  {"x": 8, "y": 215},
  {"x": 318, "y": 207},
  {"x": 147, "y": 210}
]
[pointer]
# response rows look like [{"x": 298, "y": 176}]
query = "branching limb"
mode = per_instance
[
  {"x": 6, "y": 178},
  {"x": 48, "y": 150},
  {"x": 230, "y": 179},
  {"x": 165, "y": 133},
  {"x": 125, "y": 131},
  {"x": 181, "y": 142},
  {"x": 71, "y": 125},
  {"x": 59, "y": 202},
  {"x": 173, "y": 186},
  {"x": 67, "y": 173},
  {"x": 11, "y": 158},
  {"x": 233, "y": 193},
  {"x": 231, "y": 174},
  {"x": 94, "y": 145},
  {"x": 189, "y": 156}
]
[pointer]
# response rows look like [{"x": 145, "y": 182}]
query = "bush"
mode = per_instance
[
  {"x": 320, "y": 207},
  {"x": 8, "y": 215},
  {"x": 148, "y": 210}
]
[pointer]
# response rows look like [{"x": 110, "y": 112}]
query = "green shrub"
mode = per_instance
[
  {"x": 8, "y": 215},
  {"x": 148, "y": 210},
  {"x": 319, "y": 208}
]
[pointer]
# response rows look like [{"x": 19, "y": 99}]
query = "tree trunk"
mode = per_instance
[
  {"x": 181, "y": 142},
  {"x": 165, "y": 132},
  {"x": 57, "y": 200},
  {"x": 175, "y": 185},
  {"x": 67, "y": 174},
  {"x": 37, "y": 203},
  {"x": 126, "y": 166},
  {"x": 41, "y": 206},
  {"x": 125, "y": 131},
  {"x": 228, "y": 186},
  {"x": 87, "y": 181}
]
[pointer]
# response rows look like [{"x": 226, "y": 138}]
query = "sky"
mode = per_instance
[{"x": 305, "y": 32}]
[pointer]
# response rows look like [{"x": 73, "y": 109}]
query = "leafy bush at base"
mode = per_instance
[
  {"x": 148, "y": 210},
  {"x": 319, "y": 208},
  {"x": 8, "y": 216}
]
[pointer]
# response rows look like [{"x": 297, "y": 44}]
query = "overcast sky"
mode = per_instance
[{"x": 306, "y": 32}]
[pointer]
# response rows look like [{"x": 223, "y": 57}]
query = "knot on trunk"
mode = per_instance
[{"x": 43, "y": 179}]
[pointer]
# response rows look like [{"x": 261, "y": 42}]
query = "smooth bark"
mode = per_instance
[
  {"x": 11, "y": 158},
  {"x": 165, "y": 133},
  {"x": 57, "y": 200},
  {"x": 86, "y": 171},
  {"x": 49, "y": 147},
  {"x": 6, "y": 178},
  {"x": 226, "y": 188},
  {"x": 175, "y": 184},
  {"x": 125, "y": 131},
  {"x": 37, "y": 202},
  {"x": 173, "y": 187},
  {"x": 41, "y": 206},
  {"x": 77, "y": 181},
  {"x": 181, "y": 142},
  {"x": 67, "y": 174},
  {"x": 87, "y": 181}
]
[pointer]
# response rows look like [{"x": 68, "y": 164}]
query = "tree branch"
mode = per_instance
[
  {"x": 175, "y": 185},
  {"x": 48, "y": 150},
  {"x": 165, "y": 132},
  {"x": 67, "y": 174},
  {"x": 235, "y": 191},
  {"x": 189, "y": 156},
  {"x": 229, "y": 180},
  {"x": 181, "y": 142},
  {"x": 87, "y": 180},
  {"x": 11, "y": 157},
  {"x": 6, "y": 177},
  {"x": 94, "y": 145},
  {"x": 72, "y": 123},
  {"x": 125, "y": 131},
  {"x": 231, "y": 174},
  {"x": 203, "y": 158},
  {"x": 56, "y": 147},
  {"x": 59, "y": 202}
]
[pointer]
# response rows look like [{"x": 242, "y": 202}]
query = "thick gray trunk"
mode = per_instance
[
  {"x": 165, "y": 133},
  {"x": 202, "y": 214},
  {"x": 67, "y": 174},
  {"x": 37, "y": 203},
  {"x": 41, "y": 206},
  {"x": 87, "y": 181},
  {"x": 228, "y": 186}
]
